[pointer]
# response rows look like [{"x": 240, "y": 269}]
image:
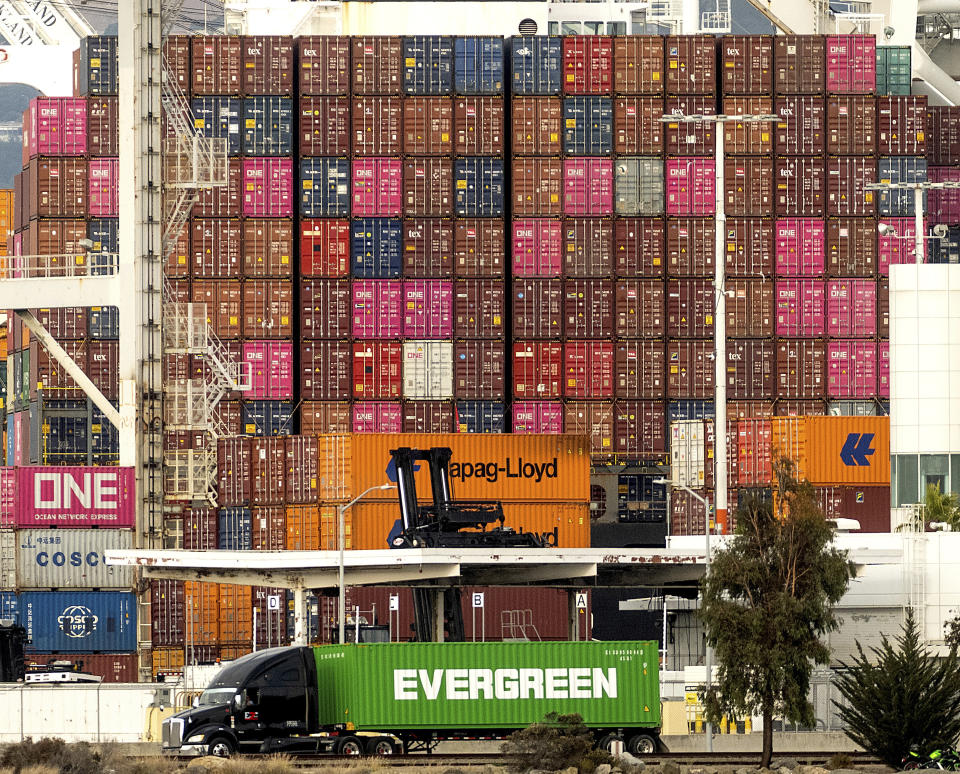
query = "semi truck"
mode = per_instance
[{"x": 387, "y": 698}]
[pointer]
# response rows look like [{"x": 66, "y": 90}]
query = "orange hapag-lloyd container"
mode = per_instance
[
  {"x": 202, "y": 603},
  {"x": 314, "y": 527},
  {"x": 235, "y": 614},
  {"x": 835, "y": 450}
]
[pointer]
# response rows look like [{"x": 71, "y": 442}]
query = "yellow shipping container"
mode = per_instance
[
  {"x": 314, "y": 527},
  {"x": 235, "y": 614},
  {"x": 167, "y": 660},
  {"x": 233, "y": 652},
  {"x": 835, "y": 450},
  {"x": 202, "y": 604}
]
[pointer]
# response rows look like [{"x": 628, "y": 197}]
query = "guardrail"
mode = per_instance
[{"x": 62, "y": 265}]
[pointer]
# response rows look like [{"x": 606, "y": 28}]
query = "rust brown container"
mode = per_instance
[
  {"x": 640, "y": 368},
  {"x": 537, "y": 186},
  {"x": 883, "y": 308},
  {"x": 687, "y": 139},
  {"x": 224, "y": 201},
  {"x": 943, "y": 135},
  {"x": 326, "y": 308},
  {"x": 800, "y": 126},
  {"x": 103, "y": 136},
  {"x": 268, "y": 465},
  {"x": 428, "y": 187},
  {"x": 181, "y": 290},
  {"x": 324, "y": 65},
  {"x": 230, "y": 414},
  {"x": 588, "y": 306},
  {"x": 56, "y": 188},
  {"x": 751, "y": 364},
  {"x": 478, "y": 247},
  {"x": 103, "y": 366},
  {"x": 750, "y": 308},
  {"x": 690, "y": 247},
  {"x": 267, "y": 64},
  {"x": 179, "y": 365},
  {"x": 537, "y": 308},
  {"x": 746, "y": 64},
  {"x": 801, "y": 369},
  {"x": 69, "y": 322},
  {"x": 638, "y": 64},
  {"x": 224, "y": 300},
  {"x": 851, "y": 247},
  {"x": 427, "y": 126},
  {"x": 637, "y": 128},
  {"x": 748, "y": 186},
  {"x": 690, "y": 305},
  {"x": 640, "y": 309},
  {"x": 691, "y": 64},
  {"x": 479, "y": 309},
  {"x": 749, "y": 409},
  {"x": 638, "y": 247},
  {"x": 267, "y": 309},
  {"x": 800, "y": 186},
  {"x": 326, "y": 369},
  {"x": 325, "y": 417},
  {"x": 267, "y": 247},
  {"x": 690, "y": 369},
  {"x": 217, "y": 64},
  {"x": 178, "y": 262},
  {"x": 901, "y": 126},
  {"x": 847, "y": 177},
  {"x": 428, "y": 416},
  {"x": 785, "y": 407},
  {"x": 478, "y": 369},
  {"x": 749, "y": 247},
  {"x": 324, "y": 126},
  {"x": 851, "y": 125},
  {"x": 478, "y": 126},
  {"x": 537, "y": 126},
  {"x": 377, "y": 64},
  {"x": 376, "y": 126},
  {"x": 55, "y": 237},
  {"x": 593, "y": 419},
  {"x": 427, "y": 247},
  {"x": 753, "y": 138},
  {"x": 234, "y": 471},
  {"x": 176, "y": 56},
  {"x": 799, "y": 64},
  {"x": 639, "y": 430},
  {"x": 48, "y": 375},
  {"x": 588, "y": 247},
  {"x": 302, "y": 452},
  {"x": 216, "y": 247}
]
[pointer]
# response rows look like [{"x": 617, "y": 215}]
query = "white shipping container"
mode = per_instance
[
  {"x": 8, "y": 567},
  {"x": 687, "y": 453},
  {"x": 71, "y": 558},
  {"x": 428, "y": 370}
]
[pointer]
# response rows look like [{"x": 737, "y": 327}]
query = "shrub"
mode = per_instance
[
  {"x": 839, "y": 761},
  {"x": 559, "y": 742}
]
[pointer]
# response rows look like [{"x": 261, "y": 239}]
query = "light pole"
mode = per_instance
[
  {"x": 918, "y": 213},
  {"x": 342, "y": 541}
]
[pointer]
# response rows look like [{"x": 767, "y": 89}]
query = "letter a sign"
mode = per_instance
[{"x": 581, "y": 600}]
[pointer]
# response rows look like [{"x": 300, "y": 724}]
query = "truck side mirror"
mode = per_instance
[
  {"x": 196, "y": 701},
  {"x": 238, "y": 699}
]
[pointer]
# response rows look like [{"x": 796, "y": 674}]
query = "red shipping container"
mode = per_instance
[
  {"x": 587, "y": 247},
  {"x": 268, "y": 187},
  {"x": 234, "y": 475},
  {"x": 748, "y": 186},
  {"x": 639, "y": 310},
  {"x": 479, "y": 309},
  {"x": 271, "y": 369},
  {"x": 267, "y": 64},
  {"x": 587, "y": 64},
  {"x": 324, "y": 64},
  {"x": 639, "y": 429},
  {"x": 324, "y": 126},
  {"x": 478, "y": 126},
  {"x": 943, "y": 205},
  {"x": 690, "y": 247},
  {"x": 216, "y": 247},
  {"x": 69, "y": 322},
  {"x": 377, "y": 187},
  {"x": 538, "y": 186},
  {"x": 638, "y": 247},
  {"x": 55, "y": 188},
  {"x": 326, "y": 309},
  {"x": 428, "y": 416},
  {"x": 427, "y": 247},
  {"x": 852, "y": 247},
  {"x": 798, "y": 64},
  {"x": 325, "y": 248},
  {"x": 754, "y": 452},
  {"x": 749, "y": 247},
  {"x": 800, "y": 245},
  {"x": 302, "y": 472},
  {"x": 176, "y": 60},
  {"x": 800, "y": 408},
  {"x": 268, "y": 533},
  {"x": 55, "y": 126},
  {"x": 800, "y": 128},
  {"x": 593, "y": 419},
  {"x": 746, "y": 63},
  {"x": 801, "y": 369},
  {"x": 268, "y": 464},
  {"x": 883, "y": 369},
  {"x": 377, "y": 64},
  {"x": 638, "y": 64},
  {"x": 690, "y": 371},
  {"x": 897, "y": 245},
  {"x": 427, "y": 126},
  {"x": 478, "y": 247},
  {"x": 691, "y": 186},
  {"x": 427, "y": 187},
  {"x": 478, "y": 370},
  {"x": 267, "y": 308},
  {"x": 376, "y": 126},
  {"x": 690, "y": 307},
  {"x": 229, "y": 415},
  {"x": 637, "y": 128},
  {"x": 167, "y": 614},
  {"x": 901, "y": 126},
  {"x": 846, "y": 181},
  {"x": 537, "y": 127},
  {"x": 537, "y": 370},
  {"x": 851, "y": 64},
  {"x": 428, "y": 309},
  {"x": 223, "y": 201},
  {"x": 377, "y": 309},
  {"x": 851, "y": 308},
  {"x": 851, "y": 126},
  {"x": 325, "y": 418},
  {"x": 943, "y": 135},
  {"x": 587, "y": 186},
  {"x": 640, "y": 369},
  {"x": 538, "y": 417},
  {"x": 801, "y": 306},
  {"x": 683, "y": 138},
  {"x": 217, "y": 64},
  {"x": 588, "y": 308},
  {"x": 103, "y": 366},
  {"x": 751, "y": 364},
  {"x": 851, "y": 369},
  {"x": 883, "y": 308},
  {"x": 800, "y": 186},
  {"x": 691, "y": 64},
  {"x": 377, "y": 417},
  {"x": 267, "y": 248},
  {"x": 746, "y": 138},
  {"x": 537, "y": 247},
  {"x": 326, "y": 370},
  {"x": 538, "y": 308},
  {"x": 377, "y": 369},
  {"x": 749, "y": 308}
]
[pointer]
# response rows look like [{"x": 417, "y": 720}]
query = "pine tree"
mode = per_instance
[{"x": 904, "y": 697}]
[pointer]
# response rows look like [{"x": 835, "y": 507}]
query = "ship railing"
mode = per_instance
[{"x": 82, "y": 264}]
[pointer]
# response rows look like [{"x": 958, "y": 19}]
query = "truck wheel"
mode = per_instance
[
  {"x": 642, "y": 744},
  {"x": 349, "y": 745},
  {"x": 607, "y": 741},
  {"x": 381, "y": 745},
  {"x": 220, "y": 747}
]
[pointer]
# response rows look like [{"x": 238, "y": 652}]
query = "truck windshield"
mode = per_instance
[{"x": 213, "y": 696}]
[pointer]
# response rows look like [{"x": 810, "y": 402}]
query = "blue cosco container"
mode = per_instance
[
  {"x": 9, "y": 605},
  {"x": 220, "y": 117},
  {"x": 480, "y": 416},
  {"x": 235, "y": 529},
  {"x": 376, "y": 248},
  {"x": 268, "y": 417},
  {"x": 588, "y": 126},
  {"x": 267, "y": 126},
  {"x": 688, "y": 409},
  {"x": 898, "y": 202},
  {"x": 537, "y": 64},
  {"x": 428, "y": 64},
  {"x": 478, "y": 65},
  {"x": 103, "y": 322},
  {"x": 97, "y": 73},
  {"x": 479, "y": 185},
  {"x": 79, "y": 621},
  {"x": 324, "y": 187}
]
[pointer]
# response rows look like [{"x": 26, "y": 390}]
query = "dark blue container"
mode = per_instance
[
  {"x": 588, "y": 126},
  {"x": 267, "y": 126},
  {"x": 220, "y": 117},
  {"x": 235, "y": 529},
  {"x": 946, "y": 250},
  {"x": 10, "y": 438},
  {"x": 537, "y": 64},
  {"x": 103, "y": 233},
  {"x": 103, "y": 322},
  {"x": 898, "y": 202},
  {"x": 99, "y": 67},
  {"x": 65, "y": 440},
  {"x": 478, "y": 65},
  {"x": 267, "y": 417},
  {"x": 79, "y": 621},
  {"x": 324, "y": 187},
  {"x": 376, "y": 248},
  {"x": 9, "y": 606},
  {"x": 479, "y": 185},
  {"x": 480, "y": 416},
  {"x": 428, "y": 64},
  {"x": 634, "y": 489},
  {"x": 688, "y": 409},
  {"x": 104, "y": 439}
]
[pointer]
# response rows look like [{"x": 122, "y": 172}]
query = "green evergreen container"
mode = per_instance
[
  {"x": 492, "y": 685},
  {"x": 894, "y": 74}
]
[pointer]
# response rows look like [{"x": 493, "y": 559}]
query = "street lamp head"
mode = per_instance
[
  {"x": 886, "y": 229},
  {"x": 660, "y": 481}
]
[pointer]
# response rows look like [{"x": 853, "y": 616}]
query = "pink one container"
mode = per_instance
[
  {"x": 65, "y": 496},
  {"x": 268, "y": 187},
  {"x": 588, "y": 186},
  {"x": 883, "y": 369},
  {"x": 943, "y": 206},
  {"x": 377, "y": 309},
  {"x": 55, "y": 126},
  {"x": 800, "y": 308},
  {"x": 851, "y": 369},
  {"x": 851, "y": 64},
  {"x": 271, "y": 369},
  {"x": 800, "y": 247},
  {"x": 538, "y": 416},
  {"x": 537, "y": 247},
  {"x": 428, "y": 309},
  {"x": 8, "y": 499},
  {"x": 898, "y": 246},
  {"x": 377, "y": 417},
  {"x": 691, "y": 186},
  {"x": 103, "y": 196},
  {"x": 377, "y": 186},
  {"x": 851, "y": 308}
]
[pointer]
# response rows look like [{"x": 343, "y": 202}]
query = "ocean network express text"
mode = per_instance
[{"x": 510, "y": 468}]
